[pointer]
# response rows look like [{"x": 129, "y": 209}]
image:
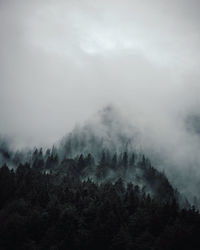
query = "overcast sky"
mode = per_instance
[{"x": 62, "y": 61}]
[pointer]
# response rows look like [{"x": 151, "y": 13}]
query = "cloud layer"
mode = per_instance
[{"x": 61, "y": 61}]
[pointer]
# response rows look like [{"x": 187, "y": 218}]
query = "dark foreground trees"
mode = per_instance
[{"x": 44, "y": 211}]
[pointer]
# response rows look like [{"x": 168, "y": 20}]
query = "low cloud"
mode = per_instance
[{"x": 62, "y": 61}]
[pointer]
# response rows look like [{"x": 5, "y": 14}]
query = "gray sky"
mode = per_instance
[{"x": 61, "y": 61}]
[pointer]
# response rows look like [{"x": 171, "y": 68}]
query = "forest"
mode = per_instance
[{"x": 119, "y": 201}]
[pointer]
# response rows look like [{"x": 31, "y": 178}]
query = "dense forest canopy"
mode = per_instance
[{"x": 43, "y": 206}]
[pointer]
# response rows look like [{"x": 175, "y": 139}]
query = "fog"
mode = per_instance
[{"x": 62, "y": 61}]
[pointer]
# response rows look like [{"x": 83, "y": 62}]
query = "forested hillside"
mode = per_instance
[
  {"x": 47, "y": 211},
  {"x": 117, "y": 202},
  {"x": 93, "y": 190}
]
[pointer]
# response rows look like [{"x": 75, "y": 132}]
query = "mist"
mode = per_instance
[{"x": 62, "y": 61}]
